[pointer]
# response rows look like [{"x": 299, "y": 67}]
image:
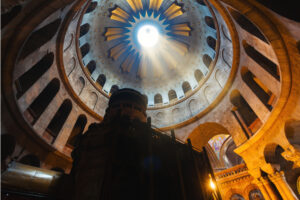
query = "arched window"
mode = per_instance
[
  {"x": 255, "y": 194},
  {"x": 186, "y": 87},
  {"x": 261, "y": 91},
  {"x": 91, "y": 7},
  {"x": 113, "y": 89},
  {"x": 59, "y": 118},
  {"x": 244, "y": 113},
  {"x": 263, "y": 61},
  {"x": 77, "y": 130},
  {"x": 40, "y": 37},
  {"x": 84, "y": 49},
  {"x": 209, "y": 22},
  {"x": 198, "y": 75},
  {"x": 25, "y": 81},
  {"x": 31, "y": 160},
  {"x": 172, "y": 95},
  {"x": 158, "y": 99},
  {"x": 211, "y": 42},
  {"x": 201, "y": 2},
  {"x": 237, "y": 197},
  {"x": 101, "y": 80},
  {"x": 7, "y": 17},
  {"x": 38, "y": 106},
  {"x": 91, "y": 66},
  {"x": 84, "y": 29},
  {"x": 247, "y": 25},
  {"x": 207, "y": 60}
]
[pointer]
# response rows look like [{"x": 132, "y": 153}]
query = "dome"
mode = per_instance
[
  {"x": 221, "y": 73},
  {"x": 166, "y": 50}
]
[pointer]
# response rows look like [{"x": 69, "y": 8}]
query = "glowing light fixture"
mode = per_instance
[
  {"x": 148, "y": 36},
  {"x": 212, "y": 184}
]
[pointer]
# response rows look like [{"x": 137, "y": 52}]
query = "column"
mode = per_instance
[
  {"x": 270, "y": 190},
  {"x": 262, "y": 189},
  {"x": 283, "y": 187}
]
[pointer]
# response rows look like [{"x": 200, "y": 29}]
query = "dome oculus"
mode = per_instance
[
  {"x": 159, "y": 24},
  {"x": 148, "y": 36}
]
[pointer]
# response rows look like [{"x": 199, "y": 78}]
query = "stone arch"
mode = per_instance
[
  {"x": 225, "y": 33},
  {"x": 225, "y": 58},
  {"x": 31, "y": 160},
  {"x": 7, "y": 17},
  {"x": 227, "y": 154},
  {"x": 210, "y": 93},
  {"x": 211, "y": 42},
  {"x": 71, "y": 66},
  {"x": 247, "y": 118},
  {"x": 258, "y": 88},
  {"x": 39, "y": 37},
  {"x": 85, "y": 49},
  {"x": 193, "y": 107},
  {"x": 204, "y": 132},
  {"x": 77, "y": 130},
  {"x": 93, "y": 100},
  {"x": 198, "y": 75},
  {"x": 207, "y": 60},
  {"x": 60, "y": 117},
  {"x": 172, "y": 95},
  {"x": 210, "y": 22},
  {"x": 84, "y": 29},
  {"x": 186, "y": 87},
  {"x": 176, "y": 114},
  {"x": 220, "y": 78},
  {"x": 69, "y": 42},
  {"x": 158, "y": 99},
  {"x": 39, "y": 105},
  {"x": 26, "y": 80},
  {"x": 233, "y": 158},
  {"x": 101, "y": 80},
  {"x": 92, "y": 7},
  {"x": 91, "y": 66},
  {"x": 271, "y": 154},
  {"x": 261, "y": 60},
  {"x": 159, "y": 118},
  {"x": 247, "y": 25},
  {"x": 79, "y": 86},
  {"x": 8, "y": 145},
  {"x": 292, "y": 132}
]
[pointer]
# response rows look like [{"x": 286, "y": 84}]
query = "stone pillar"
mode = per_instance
[
  {"x": 282, "y": 186},
  {"x": 271, "y": 192},
  {"x": 262, "y": 188}
]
